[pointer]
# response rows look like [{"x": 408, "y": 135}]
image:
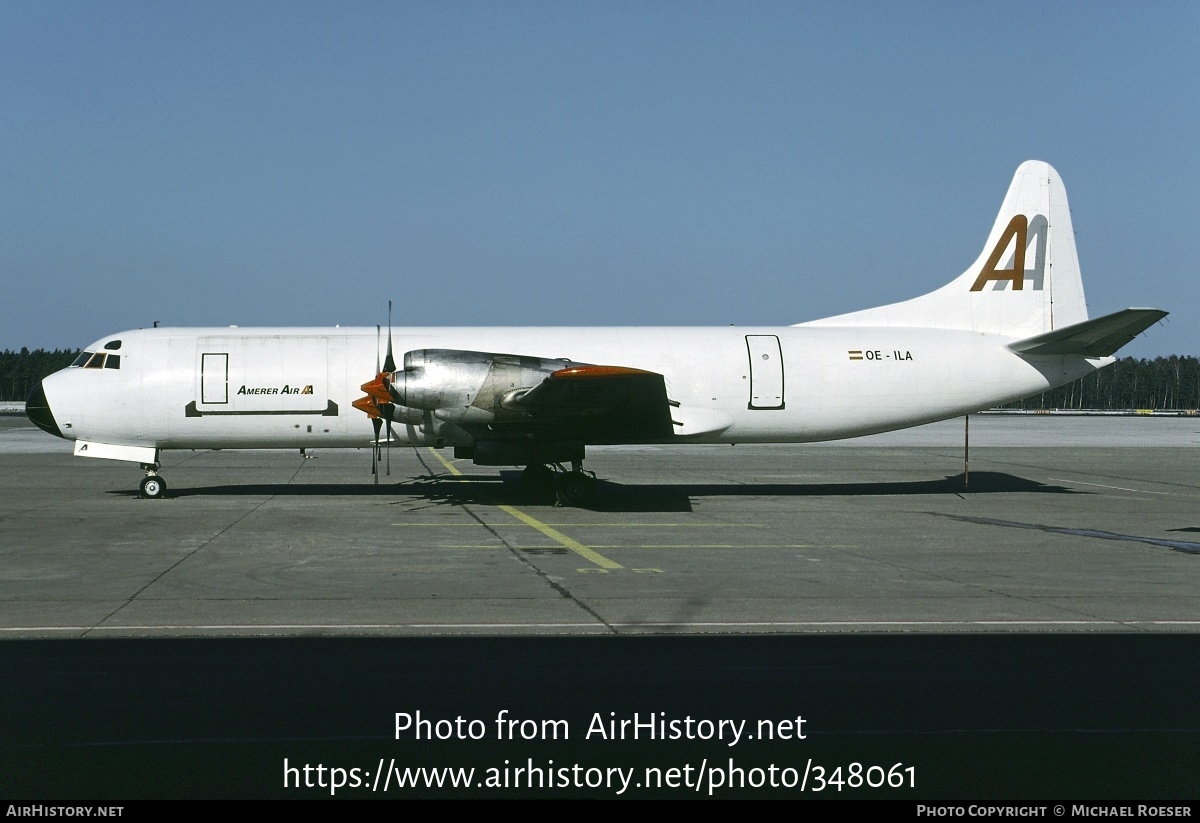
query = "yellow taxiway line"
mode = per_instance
[{"x": 583, "y": 551}]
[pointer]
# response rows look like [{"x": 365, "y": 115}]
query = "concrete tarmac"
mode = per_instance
[
  {"x": 1030, "y": 635},
  {"x": 1064, "y": 525}
]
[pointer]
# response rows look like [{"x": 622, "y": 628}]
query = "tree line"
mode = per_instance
[
  {"x": 1130, "y": 383},
  {"x": 21, "y": 370},
  {"x": 1162, "y": 383}
]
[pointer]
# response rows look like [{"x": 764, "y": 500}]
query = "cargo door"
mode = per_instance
[
  {"x": 262, "y": 375},
  {"x": 766, "y": 371}
]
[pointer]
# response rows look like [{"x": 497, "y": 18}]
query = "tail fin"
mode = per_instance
[{"x": 1026, "y": 281}]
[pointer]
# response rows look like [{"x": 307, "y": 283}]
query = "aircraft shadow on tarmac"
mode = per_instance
[{"x": 621, "y": 497}]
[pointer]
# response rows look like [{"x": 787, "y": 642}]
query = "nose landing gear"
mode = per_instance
[{"x": 152, "y": 487}]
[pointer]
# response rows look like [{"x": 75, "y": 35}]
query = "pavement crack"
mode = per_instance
[
  {"x": 562, "y": 590},
  {"x": 558, "y": 587},
  {"x": 100, "y": 623}
]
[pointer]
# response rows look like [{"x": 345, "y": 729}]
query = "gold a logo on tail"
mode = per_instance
[{"x": 1020, "y": 232}]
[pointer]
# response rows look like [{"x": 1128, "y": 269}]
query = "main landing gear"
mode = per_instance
[
  {"x": 152, "y": 487},
  {"x": 571, "y": 488}
]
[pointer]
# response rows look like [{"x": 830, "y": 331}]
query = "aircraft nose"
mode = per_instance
[{"x": 37, "y": 409}]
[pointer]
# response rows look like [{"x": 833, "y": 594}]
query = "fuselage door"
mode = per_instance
[
  {"x": 766, "y": 371},
  {"x": 262, "y": 374},
  {"x": 214, "y": 378}
]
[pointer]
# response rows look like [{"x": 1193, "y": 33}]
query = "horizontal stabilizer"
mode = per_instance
[{"x": 1092, "y": 338}]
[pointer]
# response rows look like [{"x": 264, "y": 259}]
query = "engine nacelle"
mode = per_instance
[
  {"x": 402, "y": 415},
  {"x": 466, "y": 386}
]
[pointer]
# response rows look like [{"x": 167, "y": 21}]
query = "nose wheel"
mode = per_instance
[{"x": 152, "y": 487}]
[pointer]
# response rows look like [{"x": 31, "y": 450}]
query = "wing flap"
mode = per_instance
[
  {"x": 1092, "y": 338},
  {"x": 599, "y": 404}
]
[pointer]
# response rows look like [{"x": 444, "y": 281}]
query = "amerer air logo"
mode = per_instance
[
  {"x": 1021, "y": 231},
  {"x": 275, "y": 390}
]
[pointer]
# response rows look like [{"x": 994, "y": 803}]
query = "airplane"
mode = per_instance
[{"x": 1013, "y": 324}]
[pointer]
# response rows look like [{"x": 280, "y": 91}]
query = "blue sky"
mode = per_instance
[{"x": 576, "y": 163}]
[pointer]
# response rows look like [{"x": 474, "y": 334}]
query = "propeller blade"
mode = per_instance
[
  {"x": 374, "y": 415},
  {"x": 389, "y": 365},
  {"x": 389, "y": 440},
  {"x": 378, "y": 424},
  {"x": 388, "y": 409},
  {"x": 377, "y": 404}
]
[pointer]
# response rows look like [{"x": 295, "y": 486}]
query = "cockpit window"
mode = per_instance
[
  {"x": 98, "y": 359},
  {"x": 113, "y": 345}
]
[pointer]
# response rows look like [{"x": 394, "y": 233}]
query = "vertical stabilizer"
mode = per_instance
[{"x": 1025, "y": 282}]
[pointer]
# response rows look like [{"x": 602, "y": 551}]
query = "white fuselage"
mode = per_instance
[{"x": 194, "y": 388}]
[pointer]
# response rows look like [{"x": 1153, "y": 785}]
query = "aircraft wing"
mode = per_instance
[
  {"x": 595, "y": 404},
  {"x": 1092, "y": 338}
]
